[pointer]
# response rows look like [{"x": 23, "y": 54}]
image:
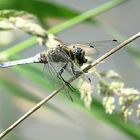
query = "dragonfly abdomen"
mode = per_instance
[{"x": 29, "y": 60}]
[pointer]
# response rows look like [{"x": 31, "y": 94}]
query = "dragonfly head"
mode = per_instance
[{"x": 79, "y": 56}]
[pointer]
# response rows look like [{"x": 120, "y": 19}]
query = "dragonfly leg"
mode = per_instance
[
  {"x": 74, "y": 71},
  {"x": 69, "y": 87},
  {"x": 66, "y": 83},
  {"x": 72, "y": 68},
  {"x": 59, "y": 75},
  {"x": 62, "y": 69}
]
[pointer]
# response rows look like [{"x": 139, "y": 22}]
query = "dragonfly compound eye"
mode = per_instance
[
  {"x": 79, "y": 55},
  {"x": 77, "y": 52}
]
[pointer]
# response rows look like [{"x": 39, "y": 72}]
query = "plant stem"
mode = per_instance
[
  {"x": 42, "y": 102},
  {"x": 84, "y": 16},
  {"x": 112, "y": 51}
]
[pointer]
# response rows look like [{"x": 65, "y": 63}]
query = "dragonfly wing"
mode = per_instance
[
  {"x": 89, "y": 51},
  {"x": 104, "y": 45},
  {"x": 77, "y": 69},
  {"x": 94, "y": 49},
  {"x": 52, "y": 70}
]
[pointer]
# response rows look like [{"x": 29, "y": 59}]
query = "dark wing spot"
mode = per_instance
[
  {"x": 115, "y": 40},
  {"x": 91, "y": 46}
]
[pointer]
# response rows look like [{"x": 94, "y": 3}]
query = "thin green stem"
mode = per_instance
[
  {"x": 86, "y": 15},
  {"x": 41, "y": 103}
]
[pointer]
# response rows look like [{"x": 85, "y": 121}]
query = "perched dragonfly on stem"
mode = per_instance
[{"x": 63, "y": 57}]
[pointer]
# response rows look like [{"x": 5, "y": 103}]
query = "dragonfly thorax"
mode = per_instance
[{"x": 63, "y": 54}]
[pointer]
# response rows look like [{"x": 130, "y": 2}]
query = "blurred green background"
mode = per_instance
[{"x": 23, "y": 86}]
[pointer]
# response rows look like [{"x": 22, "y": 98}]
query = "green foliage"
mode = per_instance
[
  {"x": 46, "y": 9},
  {"x": 18, "y": 90},
  {"x": 30, "y": 71}
]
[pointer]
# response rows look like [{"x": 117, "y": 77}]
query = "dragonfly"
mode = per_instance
[{"x": 63, "y": 57}]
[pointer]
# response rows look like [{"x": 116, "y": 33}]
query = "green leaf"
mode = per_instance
[
  {"x": 86, "y": 15},
  {"x": 16, "y": 89},
  {"x": 39, "y": 8},
  {"x": 115, "y": 120},
  {"x": 96, "y": 110}
]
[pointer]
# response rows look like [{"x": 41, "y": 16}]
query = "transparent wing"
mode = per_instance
[
  {"x": 103, "y": 46},
  {"x": 51, "y": 75},
  {"x": 54, "y": 69},
  {"x": 94, "y": 49}
]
